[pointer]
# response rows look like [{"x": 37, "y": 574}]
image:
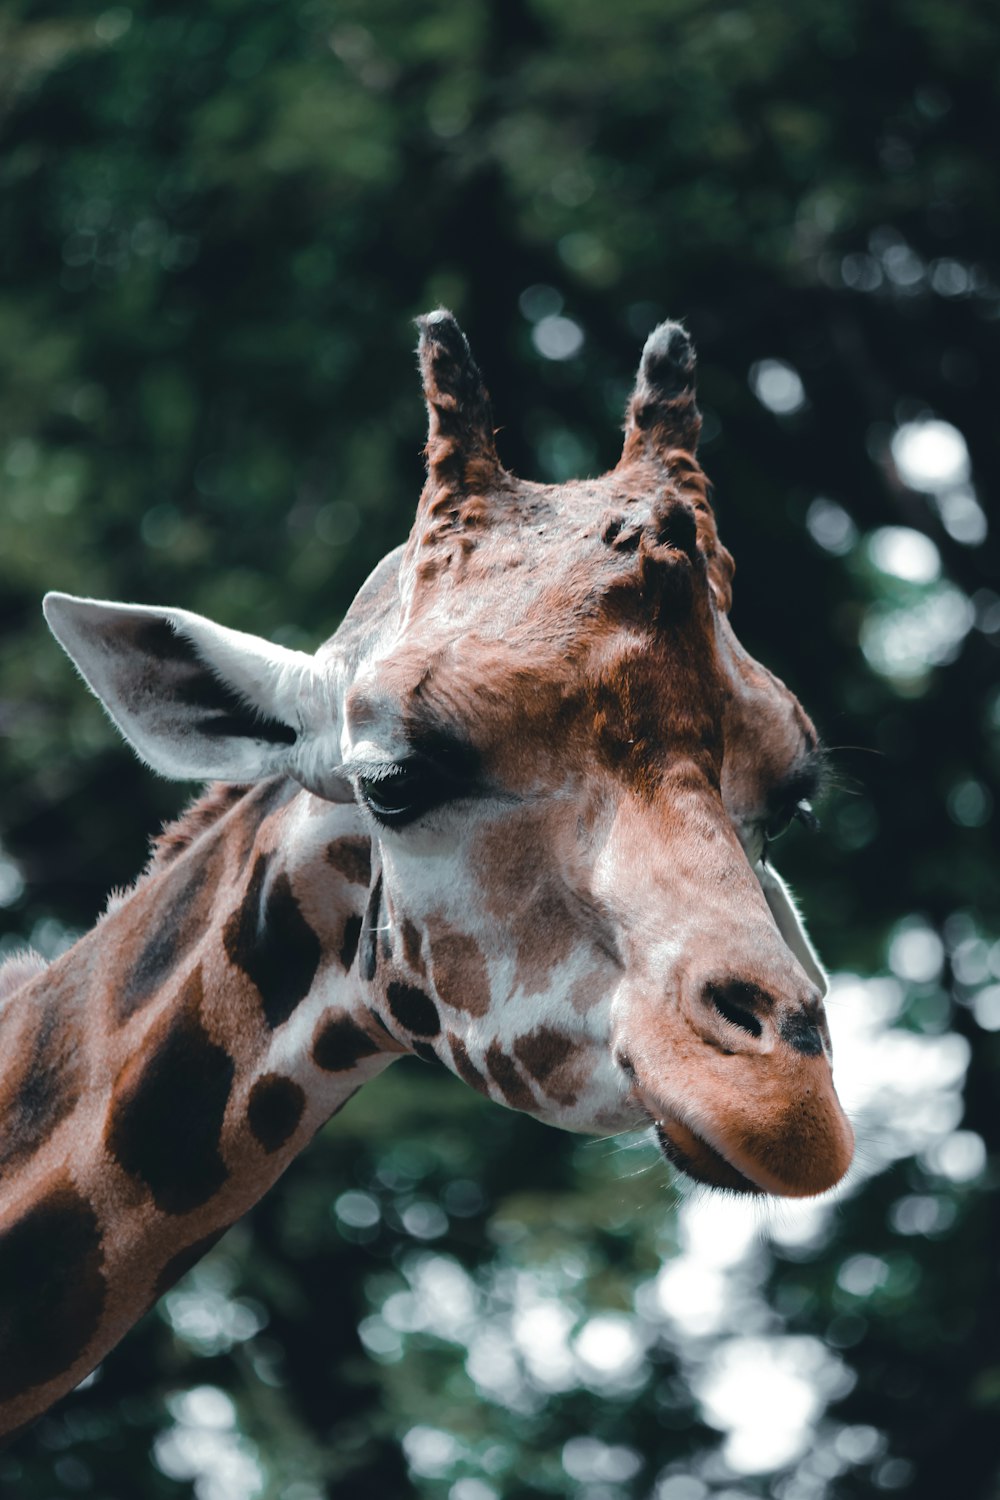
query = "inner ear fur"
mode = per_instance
[{"x": 195, "y": 700}]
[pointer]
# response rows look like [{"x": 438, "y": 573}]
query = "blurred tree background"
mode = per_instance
[{"x": 218, "y": 220}]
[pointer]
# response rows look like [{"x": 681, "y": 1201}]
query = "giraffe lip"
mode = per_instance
[{"x": 690, "y": 1153}]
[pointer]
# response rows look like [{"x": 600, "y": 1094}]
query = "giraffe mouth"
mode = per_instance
[{"x": 691, "y": 1154}]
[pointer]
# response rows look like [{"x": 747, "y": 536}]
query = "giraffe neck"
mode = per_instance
[{"x": 160, "y": 1075}]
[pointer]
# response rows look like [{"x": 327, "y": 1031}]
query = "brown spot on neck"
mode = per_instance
[
  {"x": 339, "y": 1043},
  {"x": 352, "y": 857},
  {"x": 181, "y": 916},
  {"x": 43, "y": 1070},
  {"x": 270, "y": 940},
  {"x": 52, "y": 1288},
  {"x": 274, "y": 1109},
  {"x": 164, "y": 1125}
]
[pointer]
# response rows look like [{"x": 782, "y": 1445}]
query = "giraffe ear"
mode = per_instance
[{"x": 197, "y": 701}]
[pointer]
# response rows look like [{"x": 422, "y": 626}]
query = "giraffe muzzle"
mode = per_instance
[{"x": 754, "y": 1124}]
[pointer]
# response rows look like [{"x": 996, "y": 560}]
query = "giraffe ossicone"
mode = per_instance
[{"x": 513, "y": 816}]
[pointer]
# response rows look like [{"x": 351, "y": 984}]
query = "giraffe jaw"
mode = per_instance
[{"x": 690, "y": 1153}]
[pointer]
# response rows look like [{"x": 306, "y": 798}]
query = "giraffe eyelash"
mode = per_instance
[{"x": 399, "y": 793}]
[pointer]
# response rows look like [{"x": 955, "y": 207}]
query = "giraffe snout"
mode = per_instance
[
  {"x": 736, "y": 1076},
  {"x": 743, "y": 1015}
]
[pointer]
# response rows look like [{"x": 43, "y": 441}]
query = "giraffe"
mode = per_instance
[{"x": 513, "y": 817}]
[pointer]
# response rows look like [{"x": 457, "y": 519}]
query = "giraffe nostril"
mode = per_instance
[
  {"x": 735, "y": 1003},
  {"x": 625, "y": 1063},
  {"x": 804, "y": 1031}
]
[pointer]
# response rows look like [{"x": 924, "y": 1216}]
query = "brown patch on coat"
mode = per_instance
[
  {"x": 349, "y": 941},
  {"x": 264, "y": 802},
  {"x": 504, "y": 1072},
  {"x": 43, "y": 1071},
  {"x": 459, "y": 971},
  {"x": 339, "y": 1043},
  {"x": 52, "y": 1289},
  {"x": 274, "y": 1109},
  {"x": 369, "y": 931},
  {"x": 465, "y": 1067},
  {"x": 546, "y": 1055},
  {"x": 591, "y": 989},
  {"x": 411, "y": 948},
  {"x": 270, "y": 940},
  {"x": 164, "y": 1123},
  {"x": 183, "y": 897},
  {"x": 352, "y": 857},
  {"x": 514, "y": 860},
  {"x": 415, "y": 1012}
]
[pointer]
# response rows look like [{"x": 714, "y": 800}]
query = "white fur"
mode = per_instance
[
  {"x": 18, "y": 970},
  {"x": 139, "y": 694}
]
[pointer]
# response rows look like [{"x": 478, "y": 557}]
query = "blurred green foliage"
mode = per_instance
[{"x": 218, "y": 222}]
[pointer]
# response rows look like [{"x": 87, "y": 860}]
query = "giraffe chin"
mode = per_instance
[{"x": 695, "y": 1158}]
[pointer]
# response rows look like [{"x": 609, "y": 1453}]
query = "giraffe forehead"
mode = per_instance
[
  {"x": 549, "y": 514},
  {"x": 511, "y": 620},
  {"x": 565, "y": 631},
  {"x": 528, "y": 707},
  {"x": 555, "y": 560}
]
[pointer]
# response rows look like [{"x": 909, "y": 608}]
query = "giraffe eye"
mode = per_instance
[
  {"x": 780, "y": 822},
  {"x": 401, "y": 792},
  {"x": 438, "y": 768}
]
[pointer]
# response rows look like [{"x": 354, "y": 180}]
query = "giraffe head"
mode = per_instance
[{"x": 568, "y": 770}]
